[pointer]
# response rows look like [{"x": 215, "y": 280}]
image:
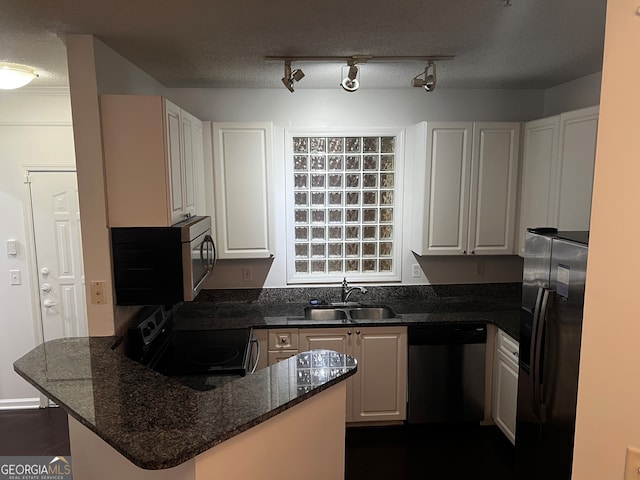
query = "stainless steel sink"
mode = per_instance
[
  {"x": 333, "y": 312},
  {"x": 325, "y": 313},
  {"x": 371, "y": 313}
]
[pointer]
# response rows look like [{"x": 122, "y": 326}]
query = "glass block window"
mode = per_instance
[{"x": 344, "y": 207}]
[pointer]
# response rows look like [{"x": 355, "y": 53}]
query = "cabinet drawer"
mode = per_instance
[
  {"x": 508, "y": 346},
  {"x": 278, "y": 356},
  {"x": 283, "y": 339}
]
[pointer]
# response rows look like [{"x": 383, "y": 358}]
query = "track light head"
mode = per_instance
[
  {"x": 297, "y": 75},
  {"x": 429, "y": 80},
  {"x": 350, "y": 82},
  {"x": 291, "y": 76},
  {"x": 429, "y": 83}
]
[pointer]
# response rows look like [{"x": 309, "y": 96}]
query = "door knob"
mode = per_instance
[
  {"x": 45, "y": 287},
  {"x": 48, "y": 303},
  {"x": 44, "y": 271}
]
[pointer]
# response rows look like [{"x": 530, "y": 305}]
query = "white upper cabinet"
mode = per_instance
[
  {"x": 557, "y": 177},
  {"x": 577, "y": 155},
  {"x": 465, "y": 186},
  {"x": 191, "y": 130},
  {"x": 152, "y": 157},
  {"x": 242, "y": 163},
  {"x": 494, "y": 188}
]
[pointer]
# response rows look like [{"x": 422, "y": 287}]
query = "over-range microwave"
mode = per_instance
[{"x": 162, "y": 265}]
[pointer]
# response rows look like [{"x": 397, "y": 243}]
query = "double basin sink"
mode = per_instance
[{"x": 348, "y": 312}]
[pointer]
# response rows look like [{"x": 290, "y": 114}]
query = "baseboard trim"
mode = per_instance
[{"x": 19, "y": 403}]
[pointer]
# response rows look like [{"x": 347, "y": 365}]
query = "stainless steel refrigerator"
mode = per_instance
[{"x": 550, "y": 331}]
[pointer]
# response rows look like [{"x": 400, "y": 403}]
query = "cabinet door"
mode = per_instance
[
  {"x": 577, "y": 153},
  {"x": 242, "y": 182},
  {"x": 493, "y": 195},
  {"x": 336, "y": 339},
  {"x": 444, "y": 182},
  {"x": 539, "y": 164},
  {"x": 380, "y": 390},
  {"x": 199, "y": 168},
  {"x": 189, "y": 162},
  {"x": 174, "y": 162},
  {"x": 505, "y": 395}
]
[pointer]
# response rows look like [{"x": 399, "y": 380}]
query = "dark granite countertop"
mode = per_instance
[
  {"x": 205, "y": 315},
  {"x": 159, "y": 422},
  {"x": 155, "y": 421}
]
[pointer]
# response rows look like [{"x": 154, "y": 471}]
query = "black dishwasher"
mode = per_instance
[{"x": 446, "y": 372}]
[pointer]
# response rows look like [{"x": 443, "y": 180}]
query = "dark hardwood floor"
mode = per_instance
[
  {"x": 447, "y": 452},
  {"x": 34, "y": 432}
]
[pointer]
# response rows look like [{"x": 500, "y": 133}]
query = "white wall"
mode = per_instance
[
  {"x": 580, "y": 93},
  {"x": 35, "y": 129}
]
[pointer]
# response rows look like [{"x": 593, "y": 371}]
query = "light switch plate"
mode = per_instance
[
  {"x": 12, "y": 247},
  {"x": 632, "y": 464}
]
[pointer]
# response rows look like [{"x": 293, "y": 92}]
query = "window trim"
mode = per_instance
[{"x": 396, "y": 274}]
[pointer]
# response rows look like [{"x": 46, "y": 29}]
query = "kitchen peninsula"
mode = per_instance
[{"x": 247, "y": 428}]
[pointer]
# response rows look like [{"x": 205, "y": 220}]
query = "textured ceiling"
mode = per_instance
[{"x": 222, "y": 43}]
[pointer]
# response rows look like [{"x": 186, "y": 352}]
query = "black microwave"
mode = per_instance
[{"x": 162, "y": 265}]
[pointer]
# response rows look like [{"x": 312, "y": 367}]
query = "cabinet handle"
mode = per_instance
[
  {"x": 349, "y": 332},
  {"x": 464, "y": 252},
  {"x": 473, "y": 252},
  {"x": 358, "y": 332}
]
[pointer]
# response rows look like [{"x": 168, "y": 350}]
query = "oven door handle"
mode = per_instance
[{"x": 257, "y": 359}]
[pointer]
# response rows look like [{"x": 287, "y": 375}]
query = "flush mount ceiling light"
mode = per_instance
[
  {"x": 350, "y": 82},
  {"x": 14, "y": 76},
  {"x": 429, "y": 80},
  {"x": 291, "y": 76}
]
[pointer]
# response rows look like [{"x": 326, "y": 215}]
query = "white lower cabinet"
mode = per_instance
[
  {"x": 505, "y": 384},
  {"x": 378, "y": 391}
]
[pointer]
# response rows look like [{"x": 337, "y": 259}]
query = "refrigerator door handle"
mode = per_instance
[
  {"x": 538, "y": 381},
  {"x": 534, "y": 326}
]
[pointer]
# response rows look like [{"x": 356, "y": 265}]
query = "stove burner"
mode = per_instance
[{"x": 213, "y": 355}]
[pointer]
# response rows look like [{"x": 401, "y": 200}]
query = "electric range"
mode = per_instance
[{"x": 200, "y": 359}]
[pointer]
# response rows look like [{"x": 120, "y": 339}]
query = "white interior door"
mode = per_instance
[{"x": 58, "y": 245}]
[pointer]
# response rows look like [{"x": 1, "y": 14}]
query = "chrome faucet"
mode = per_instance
[{"x": 347, "y": 290}]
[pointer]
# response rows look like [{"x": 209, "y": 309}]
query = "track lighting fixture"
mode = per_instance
[
  {"x": 429, "y": 80},
  {"x": 291, "y": 76},
  {"x": 350, "y": 83}
]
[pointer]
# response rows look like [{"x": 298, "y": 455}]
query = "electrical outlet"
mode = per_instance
[
  {"x": 98, "y": 290},
  {"x": 416, "y": 271},
  {"x": 479, "y": 268},
  {"x": 15, "y": 278},
  {"x": 247, "y": 274},
  {"x": 632, "y": 464}
]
